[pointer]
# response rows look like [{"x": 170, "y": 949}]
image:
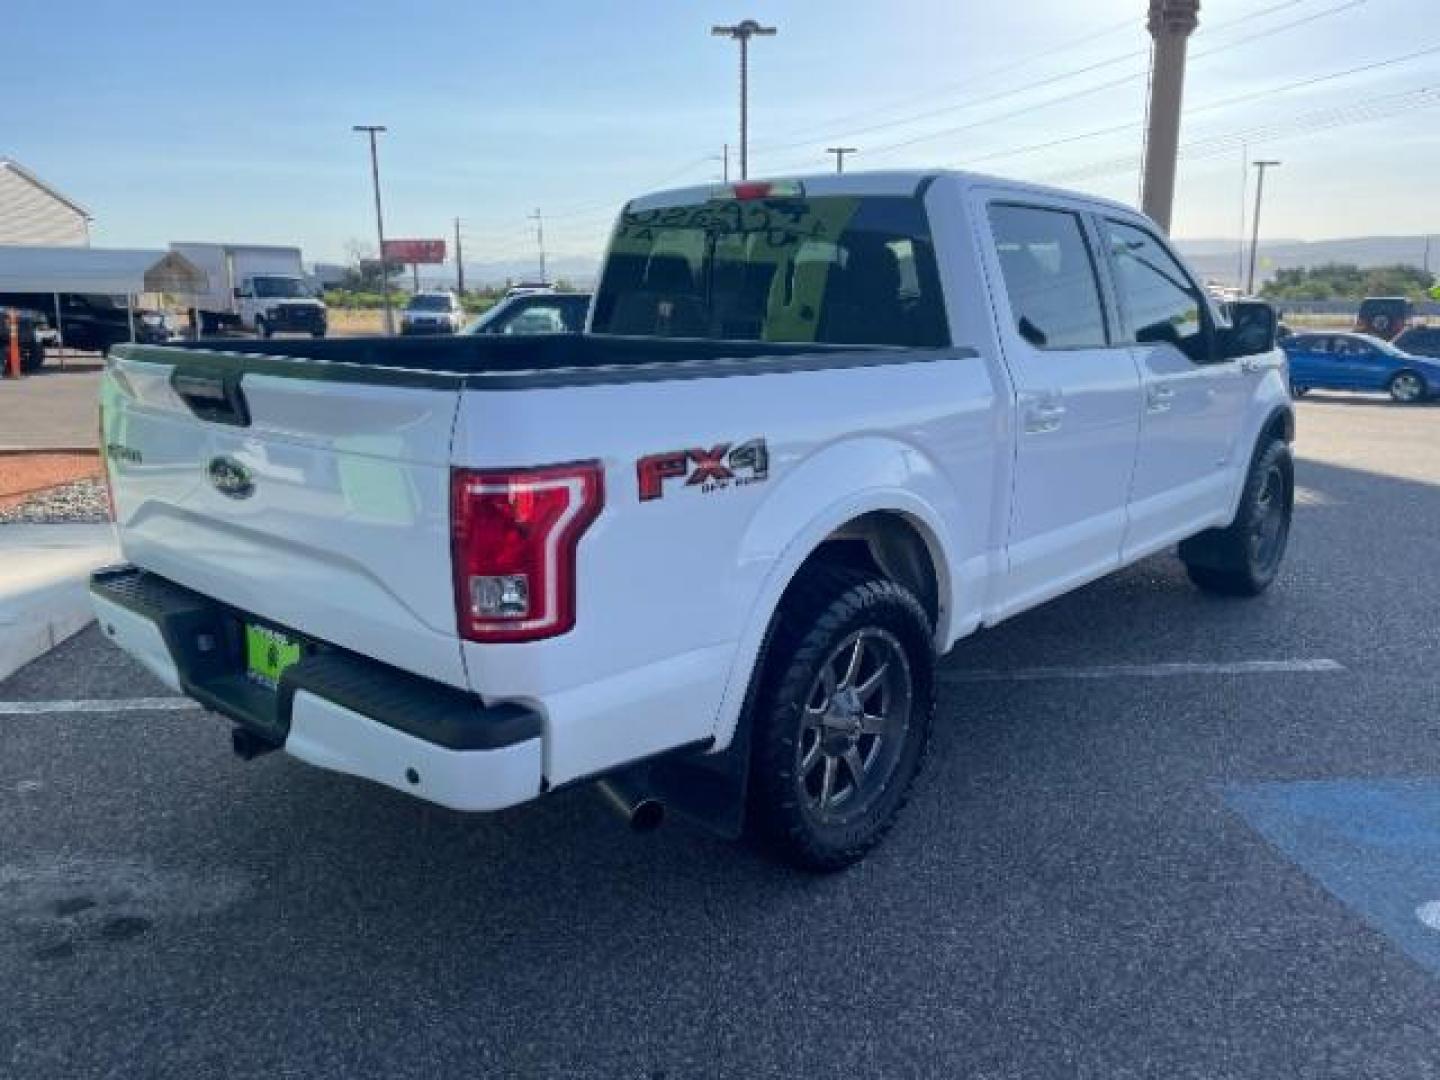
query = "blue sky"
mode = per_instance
[{"x": 225, "y": 121}]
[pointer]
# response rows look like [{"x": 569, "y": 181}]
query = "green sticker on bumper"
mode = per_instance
[{"x": 267, "y": 654}]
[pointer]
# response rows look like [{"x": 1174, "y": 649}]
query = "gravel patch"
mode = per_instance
[{"x": 78, "y": 501}]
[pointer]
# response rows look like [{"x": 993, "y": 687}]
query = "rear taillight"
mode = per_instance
[{"x": 514, "y": 534}]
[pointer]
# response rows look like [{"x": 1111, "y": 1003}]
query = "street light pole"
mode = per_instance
[
  {"x": 459, "y": 262},
  {"x": 1255, "y": 225},
  {"x": 840, "y": 152},
  {"x": 743, "y": 32},
  {"x": 372, "y": 130}
]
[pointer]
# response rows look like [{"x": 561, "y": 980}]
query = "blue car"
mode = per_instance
[{"x": 1359, "y": 362}]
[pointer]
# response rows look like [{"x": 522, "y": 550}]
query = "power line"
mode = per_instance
[
  {"x": 1377, "y": 108},
  {"x": 783, "y": 141},
  {"x": 1062, "y": 99},
  {"x": 1269, "y": 91}
]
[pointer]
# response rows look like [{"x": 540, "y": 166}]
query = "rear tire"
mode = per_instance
[
  {"x": 1406, "y": 388},
  {"x": 1244, "y": 558},
  {"x": 842, "y": 721}
]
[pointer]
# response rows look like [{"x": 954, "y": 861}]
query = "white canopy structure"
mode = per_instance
[{"x": 114, "y": 271}]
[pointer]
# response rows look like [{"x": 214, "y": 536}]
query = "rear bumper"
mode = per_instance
[{"x": 333, "y": 708}]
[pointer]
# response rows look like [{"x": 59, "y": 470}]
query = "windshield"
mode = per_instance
[
  {"x": 429, "y": 303},
  {"x": 838, "y": 270},
  {"x": 278, "y": 288}
]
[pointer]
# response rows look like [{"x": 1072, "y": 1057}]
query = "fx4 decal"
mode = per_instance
[{"x": 714, "y": 469}]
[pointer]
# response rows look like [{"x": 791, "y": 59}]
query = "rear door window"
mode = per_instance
[
  {"x": 1049, "y": 277},
  {"x": 828, "y": 270}
]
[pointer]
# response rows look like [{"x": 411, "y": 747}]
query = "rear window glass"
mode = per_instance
[{"x": 829, "y": 270}]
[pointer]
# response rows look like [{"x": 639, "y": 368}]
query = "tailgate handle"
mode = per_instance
[{"x": 217, "y": 398}]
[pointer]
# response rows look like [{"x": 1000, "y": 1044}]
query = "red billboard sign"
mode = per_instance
[{"x": 415, "y": 251}]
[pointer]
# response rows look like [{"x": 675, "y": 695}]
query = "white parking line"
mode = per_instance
[
  {"x": 1144, "y": 671},
  {"x": 97, "y": 705}
]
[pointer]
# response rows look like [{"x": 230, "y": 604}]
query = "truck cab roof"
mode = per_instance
[{"x": 893, "y": 182}]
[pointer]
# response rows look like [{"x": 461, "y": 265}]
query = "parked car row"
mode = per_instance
[{"x": 89, "y": 323}]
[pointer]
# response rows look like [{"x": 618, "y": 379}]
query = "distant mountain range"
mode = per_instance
[
  {"x": 1220, "y": 260},
  {"x": 1213, "y": 259}
]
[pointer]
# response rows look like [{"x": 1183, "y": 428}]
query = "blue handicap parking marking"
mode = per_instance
[{"x": 1374, "y": 844}]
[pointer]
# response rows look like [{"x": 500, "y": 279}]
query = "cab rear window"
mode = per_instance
[{"x": 827, "y": 270}]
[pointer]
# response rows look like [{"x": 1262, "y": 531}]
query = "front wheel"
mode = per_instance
[
  {"x": 1406, "y": 388},
  {"x": 842, "y": 721},
  {"x": 1244, "y": 559}
]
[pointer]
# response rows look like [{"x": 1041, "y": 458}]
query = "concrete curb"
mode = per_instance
[{"x": 44, "y": 594}]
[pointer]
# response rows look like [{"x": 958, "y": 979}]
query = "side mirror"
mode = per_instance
[
  {"x": 1253, "y": 327},
  {"x": 237, "y": 292}
]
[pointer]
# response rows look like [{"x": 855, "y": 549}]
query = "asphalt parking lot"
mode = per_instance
[
  {"x": 1160, "y": 835},
  {"x": 54, "y": 407}
]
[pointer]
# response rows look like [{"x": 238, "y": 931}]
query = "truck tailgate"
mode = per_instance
[{"x": 317, "y": 502}]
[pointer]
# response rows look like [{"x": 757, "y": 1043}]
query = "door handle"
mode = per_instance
[
  {"x": 1159, "y": 398},
  {"x": 1043, "y": 413}
]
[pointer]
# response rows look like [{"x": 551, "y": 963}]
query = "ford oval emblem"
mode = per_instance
[{"x": 230, "y": 478}]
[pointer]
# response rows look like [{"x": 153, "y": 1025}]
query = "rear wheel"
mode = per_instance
[
  {"x": 1407, "y": 387},
  {"x": 842, "y": 721},
  {"x": 1244, "y": 559}
]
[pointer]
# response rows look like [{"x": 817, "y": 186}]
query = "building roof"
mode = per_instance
[
  {"x": 25, "y": 174},
  {"x": 96, "y": 270}
]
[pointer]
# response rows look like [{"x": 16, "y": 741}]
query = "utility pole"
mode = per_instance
[
  {"x": 372, "y": 130},
  {"x": 540, "y": 240},
  {"x": 1255, "y": 225},
  {"x": 1170, "y": 22},
  {"x": 459, "y": 262},
  {"x": 839, "y": 152},
  {"x": 743, "y": 32},
  {"x": 724, "y": 158}
]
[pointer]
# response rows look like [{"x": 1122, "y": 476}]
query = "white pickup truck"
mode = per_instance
[{"x": 708, "y": 551}]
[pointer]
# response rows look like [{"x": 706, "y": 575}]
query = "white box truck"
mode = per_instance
[{"x": 253, "y": 287}]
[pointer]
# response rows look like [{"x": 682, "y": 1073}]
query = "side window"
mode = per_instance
[
  {"x": 1156, "y": 295},
  {"x": 1049, "y": 277}
]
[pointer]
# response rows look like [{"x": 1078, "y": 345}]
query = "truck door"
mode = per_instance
[
  {"x": 1194, "y": 400},
  {"x": 1077, "y": 401}
]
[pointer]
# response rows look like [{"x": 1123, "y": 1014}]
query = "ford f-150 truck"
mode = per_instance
[{"x": 708, "y": 551}]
